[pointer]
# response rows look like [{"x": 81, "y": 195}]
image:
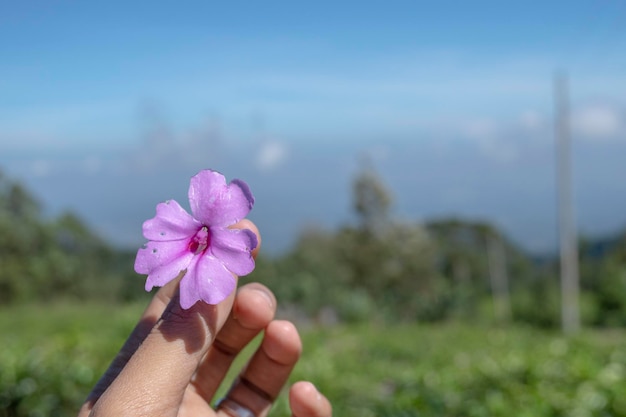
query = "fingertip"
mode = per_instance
[
  {"x": 282, "y": 342},
  {"x": 248, "y": 224},
  {"x": 305, "y": 390},
  {"x": 255, "y": 306},
  {"x": 306, "y": 401}
]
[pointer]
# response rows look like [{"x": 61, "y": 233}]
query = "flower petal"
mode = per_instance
[
  {"x": 233, "y": 248},
  {"x": 171, "y": 222},
  {"x": 164, "y": 274},
  {"x": 155, "y": 255},
  {"x": 216, "y": 204},
  {"x": 188, "y": 287},
  {"x": 212, "y": 282}
]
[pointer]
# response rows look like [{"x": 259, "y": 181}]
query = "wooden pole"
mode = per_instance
[
  {"x": 570, "y": 311},
  {"x": 499, "y": 279}
]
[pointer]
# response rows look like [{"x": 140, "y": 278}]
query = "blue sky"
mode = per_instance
[{"x": 108, "y": 109}]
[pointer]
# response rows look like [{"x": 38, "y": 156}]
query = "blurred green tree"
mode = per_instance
[{"x": 45, "y": 259}]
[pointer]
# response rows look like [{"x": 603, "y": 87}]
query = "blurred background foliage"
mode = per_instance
[
  {"x": 46, "y": 259},
  {"x": 379, "y": 268},
  {"x": 375, "y": 298},
  {"x": 387, "y": 269}
]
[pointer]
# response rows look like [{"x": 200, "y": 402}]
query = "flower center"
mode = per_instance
[{"x": 200, "y": 241}]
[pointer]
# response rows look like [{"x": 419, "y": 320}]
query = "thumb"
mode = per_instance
[
  {"x": 153, "y": 380},
  {"x": 155, "y": 377}
]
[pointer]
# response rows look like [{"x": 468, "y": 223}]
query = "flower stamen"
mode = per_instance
[{"x": 201, "y": 241}]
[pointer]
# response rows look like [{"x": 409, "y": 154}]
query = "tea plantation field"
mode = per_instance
[{"x": 50, "y": 357}]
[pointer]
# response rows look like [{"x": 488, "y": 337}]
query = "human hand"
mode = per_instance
[{"x": 175, "y": 360}]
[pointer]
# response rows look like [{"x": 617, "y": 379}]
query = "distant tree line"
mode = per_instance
[
  {"x": 385, "y": 269},
  {"x": 379, "y": 268},
  {"x": 44, "y": 259}
]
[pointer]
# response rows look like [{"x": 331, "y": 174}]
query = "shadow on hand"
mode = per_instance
[{"x": 193, "y": 326}]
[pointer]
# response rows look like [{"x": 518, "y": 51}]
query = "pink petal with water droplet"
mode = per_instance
[
  {"x": 213, "y": 283},
  {"x": 233, "y": 247},
  {"x": 165, "y": 273},
  {"x": 153, "y": 255},
  {"x": 171, "y": 222},
  {"x": 216, "y": 204},
  {"x": 188, "y": 287}
]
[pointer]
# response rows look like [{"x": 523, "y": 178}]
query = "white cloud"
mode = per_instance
[
  {"x": 598, "y": 121},
  {"x": 480, "y": 129},
  {"x": 164, "y": 148},
  {"x": 493, "y": 139},
  {"x": 41, "y": 168},
  {"x": 531, "y": 120},
  {"x": 499, "y": 149},
  {"x": 271, "y": 155},
  {"x": 91, "y": 165}
]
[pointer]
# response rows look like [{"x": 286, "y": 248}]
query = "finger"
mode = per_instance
[
  {"x": 268, "y": 369},
  {"x": 253, "y": 310},
  {"x": 247, "y": 224},
  {"x": 154, "y": 368},
  {"x": 306, "y": 401}
]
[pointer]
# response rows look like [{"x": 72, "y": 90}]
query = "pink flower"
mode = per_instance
[{"x": 201, "y": 247}]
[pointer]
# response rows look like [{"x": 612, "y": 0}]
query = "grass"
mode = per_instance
[
  {"x": 52, "y": 355},
  {"x": 462, "y": 370}
]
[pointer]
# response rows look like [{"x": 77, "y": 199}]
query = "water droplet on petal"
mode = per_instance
[
  {"x": 144, "y": 246},
  {"x": 162, "y": 233},
  {"x": 167, "y": 201},
  {"x": 154, "y": 251}
]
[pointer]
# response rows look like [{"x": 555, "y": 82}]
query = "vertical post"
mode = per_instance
[
  {"x": 499, "y": 279},
  {"x": 570, "y": 314}
]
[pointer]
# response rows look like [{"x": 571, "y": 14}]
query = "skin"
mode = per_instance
[{"x": 174, "y": 360}]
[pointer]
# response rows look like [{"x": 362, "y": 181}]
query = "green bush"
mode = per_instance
[
  {"x": 53, "y": 355},
  {"x": 464, "y": 370}
]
